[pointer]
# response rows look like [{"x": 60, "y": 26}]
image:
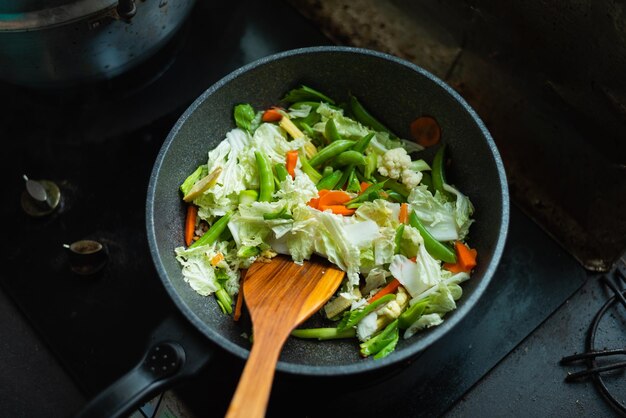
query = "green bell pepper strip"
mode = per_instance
[
  {"x": 323, "y": 333},
  {"x": 388, "y": 349},
  {"x": 412, "y": 314},
  {"x": 377, "y": 343},
  {"x": 329, "y": 182},
  {"x": 330, "y": 151},
  {"x": 398, "y": 239},
  {"x": 350, "y": 319},
  {"x": 313, "y": 174},
  {"x": 363, "y": 116},
  {"x": 330, "y": 131},
  {"x": 266, "y": 177},
  {"x": 281, "y": 171},
  {"x": 349, "y": 157},
  {"x": 214, "y": 231},
  {"x": 374, "y": 188},
  {"x": 435, "y": 248}
]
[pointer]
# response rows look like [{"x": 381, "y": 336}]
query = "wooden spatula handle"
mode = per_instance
[{"x": 253, "y": 391}]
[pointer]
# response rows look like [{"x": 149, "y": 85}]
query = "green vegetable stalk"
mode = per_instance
[
  {"x": 398, "y": 239},
  {"x": 412, "y": 314},
  {"x": 214, "y": 232},
  {"x": 323, "y": 333},
  {"x": 377, "y": 343},
  {"x": 193, "y": 177},
  {"x": 281, "y": 171},
  {"x": 363, "y": 116},
  {"x": 352, "y": 318},
  {"x": 304, "y": 93},
  {"x": 313, "y": 174},
  {"x": 330, "y": 131},
  {"x": 266, "y": 178}
]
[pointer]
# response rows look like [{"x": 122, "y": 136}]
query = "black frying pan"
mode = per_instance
[{"x": 393, "y": 90}]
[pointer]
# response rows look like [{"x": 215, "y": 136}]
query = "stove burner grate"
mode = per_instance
[{"x": 594, "y": 370}]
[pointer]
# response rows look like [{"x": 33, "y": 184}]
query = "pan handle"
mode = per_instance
[{"x": 176, "y": 351}]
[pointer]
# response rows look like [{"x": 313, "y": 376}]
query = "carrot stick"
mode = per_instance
[
  {"x": 190, "y": 224},
  {"x": 403, "y": 216},
  {"x": 364, "y": 186},
  {"x": 465, "y": 259},
  {"x": 390, "y": 288},
  {"x": 271, "y": 115},
  {"x": 426, "y": 131},
  {"x": 334, "y": 197},
  {"x": 239, "y": 302},
  {"x": 292, "y": 159},
  {"x": 314, "y": 203},
  {"x": 338, "y": 209}
]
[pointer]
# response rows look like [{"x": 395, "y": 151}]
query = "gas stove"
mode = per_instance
[{"x": 95, "y": 313}]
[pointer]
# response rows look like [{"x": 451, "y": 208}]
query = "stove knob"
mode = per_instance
[
  {"x": 40, "y": 197},
  {"x": 86, "y": 256}
]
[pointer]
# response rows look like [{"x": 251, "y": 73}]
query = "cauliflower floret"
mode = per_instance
[
  {"x": 411, "y": 179},
  {"x": 396, "y": 164},
  {"x": 393, "y": 163}
]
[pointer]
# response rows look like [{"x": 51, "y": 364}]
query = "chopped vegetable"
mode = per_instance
[
  {"x": 214, "y": 232},
  {"x": 385, "y": 291},
  {"x": 190, "y": 224},
  {"x": 373, "y": 209},
  {"x": 266, "y": 178},
  {"x": 292, "y": 160},
  {"x": 425, "y": 131},
  {"x": 466, "y": 259},
  {"x": 271, "y": 115},
  {"x": 203, "y": 185}
]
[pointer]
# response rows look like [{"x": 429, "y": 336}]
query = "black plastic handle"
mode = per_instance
[{"x": 176, "y": 351}]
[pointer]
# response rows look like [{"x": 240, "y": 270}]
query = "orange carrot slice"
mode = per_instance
[
  {"x": 292, "y": 159},
  {"x": 426, "y": 131},
  {"x": 271, "y": 115},
  {"x": 390, "y": 288}
]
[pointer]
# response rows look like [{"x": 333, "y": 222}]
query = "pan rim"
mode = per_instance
[{"x": 365, "y": 365}]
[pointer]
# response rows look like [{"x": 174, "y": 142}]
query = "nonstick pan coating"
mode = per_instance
[{"x": 393, "y": 90}]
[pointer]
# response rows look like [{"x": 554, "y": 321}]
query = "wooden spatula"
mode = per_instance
[{"x": 279, "y": 295}]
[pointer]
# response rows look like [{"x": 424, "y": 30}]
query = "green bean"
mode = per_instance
[
  {"x": 438, "y": 175},
  {"x": 395, "y": 196},
  {"x": 307, "y": 169},
  {"x": 328, "y": 170},
  {"x": 304, "y": 93},
  {"x": 353, "y": 184},
  {"x": 331, "y": 132},
  {"x": 398, "y": 239},
  {"x": 330, "y": 151},
  {"x": 377, "y": 343},
  {"x": 361, "y": 144},
  {"x": 374, "y": 188},
  {"x": 435, "y": 248},
  {"x": 363, "y": 116},
  {"x": 323, "y": 333},
  {"x": 352, "y": 318},
  {"x": 371, "y": 160},
  {"x": 349, "y": 157},
  {"x": 412, "y": 314},
  {"x": 329, "y": 182},
  {"x": 266, "y": 178},
  {"x": 281, "y": 171},
  {"x": 214, "y": 231}
]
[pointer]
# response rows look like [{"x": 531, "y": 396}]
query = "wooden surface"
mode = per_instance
[{"x": 279, "y": 296}]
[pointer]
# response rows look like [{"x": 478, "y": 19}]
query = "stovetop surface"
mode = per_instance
[{"x": 99, "y": 148}]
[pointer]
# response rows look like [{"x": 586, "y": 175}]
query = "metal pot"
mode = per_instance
[{"x": 57, "y": 43}]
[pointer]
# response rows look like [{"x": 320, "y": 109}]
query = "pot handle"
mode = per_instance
[{"x": 176, "y": 351}]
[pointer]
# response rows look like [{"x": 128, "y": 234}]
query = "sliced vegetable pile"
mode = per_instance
[{"x": 319, "y": 177}]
